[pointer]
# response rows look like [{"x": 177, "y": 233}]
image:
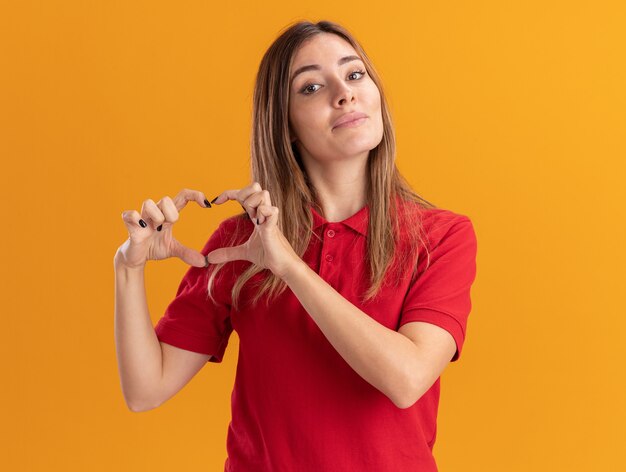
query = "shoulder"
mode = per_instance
[
  {"x": 446, "y": 228},
  {"x": 232, "y": 231},
  {"x": 234, "y": 222},
  {"x": 440, "y": 219},
  {"x": 235, "y": 228},
  {"x": 438, "y": 224}
]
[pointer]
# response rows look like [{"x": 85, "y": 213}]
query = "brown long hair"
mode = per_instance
[{"x": 277, "y": 167}]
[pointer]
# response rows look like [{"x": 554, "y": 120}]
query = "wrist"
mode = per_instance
[
  {"x": 296, "y": 269},
  {"x": 120, "y": 266}
]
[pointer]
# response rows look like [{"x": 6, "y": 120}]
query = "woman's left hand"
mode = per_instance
[{"x": 267, "y": 247}]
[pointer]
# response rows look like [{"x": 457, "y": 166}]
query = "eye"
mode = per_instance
[
  {"x": 362, "y": 72},
  {"x": 307, "y": 89}
]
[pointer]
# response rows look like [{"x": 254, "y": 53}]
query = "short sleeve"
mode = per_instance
[
  {"x": 441, "y": 293},
  {"x": 192, "y": 321}
]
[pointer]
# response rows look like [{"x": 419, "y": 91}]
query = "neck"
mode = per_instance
[{"x": 340, "y": 187}]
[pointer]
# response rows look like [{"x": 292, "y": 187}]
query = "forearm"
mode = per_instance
[
  {"x": 139, "y": 353},
  {"x": 383, "y": 357}
]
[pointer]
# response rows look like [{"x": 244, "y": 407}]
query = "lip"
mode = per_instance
[{"x": 348, "y": 118}]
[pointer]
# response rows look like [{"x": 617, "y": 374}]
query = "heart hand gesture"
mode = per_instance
[{"x": 267, "y": 247}]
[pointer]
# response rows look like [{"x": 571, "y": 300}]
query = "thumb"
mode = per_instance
[
  {"x": 188, "y": 255},
  {"x": 227, "y": 254}
]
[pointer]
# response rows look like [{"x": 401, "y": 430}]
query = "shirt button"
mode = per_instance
[
  {"x": 330, "y": 233},
  {"x": 329, "y": 258}
]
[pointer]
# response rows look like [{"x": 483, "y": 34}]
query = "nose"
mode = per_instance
[{"x": 345, "y": 94}]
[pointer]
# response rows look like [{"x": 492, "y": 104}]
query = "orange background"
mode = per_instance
[{"x": 513, "y": 114}]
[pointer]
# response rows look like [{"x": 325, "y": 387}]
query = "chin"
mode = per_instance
[
  {"x": 357, "y": 151},
  {"x": 361, "y": 146}
]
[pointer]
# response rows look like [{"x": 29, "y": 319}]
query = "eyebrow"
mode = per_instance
[{"x": 341, "y": 61}]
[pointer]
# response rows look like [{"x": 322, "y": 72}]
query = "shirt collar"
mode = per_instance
[{"x": 358, "y": 222}]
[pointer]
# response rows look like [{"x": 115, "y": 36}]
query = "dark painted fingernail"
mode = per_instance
[
  {"x": 213, "y": 201},
  {"x": 159, "y": 228},
  {"x": 142, "y": 223},
  {"x": 257, "y": 221},
  {"x": 206, "y": 203}
]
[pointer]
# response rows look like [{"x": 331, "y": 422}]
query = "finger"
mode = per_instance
[
  {"x": 253, "y": 201},
  {"x": 239, "y": 195},
  {"x": 266, "y": 201},
  {"x": 151, "y": 214},
  {"x": 188, "y": 195},
  {"x": 169, "y": 211},
  {"x": 132, "y": 220},
  {"x": 188, "y": 255},
  {"x": 227, "y": 254},
  {"x": 269, "y": 215}
]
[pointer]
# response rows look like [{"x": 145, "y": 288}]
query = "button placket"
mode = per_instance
[
  {"x": 330, "y": 233},
  {"x": 330, "y": 245}
]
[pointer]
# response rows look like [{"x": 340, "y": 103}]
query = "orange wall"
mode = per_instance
[{"x": 509, "y": 112}]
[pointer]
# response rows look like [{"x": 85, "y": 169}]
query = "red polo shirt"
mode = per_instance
[{"x": 296, "y": 404}]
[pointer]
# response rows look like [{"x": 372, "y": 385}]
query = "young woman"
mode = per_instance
[{"x": 349, "y": 292}]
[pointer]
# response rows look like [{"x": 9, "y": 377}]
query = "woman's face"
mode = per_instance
[{"x": 320, "y": 96}]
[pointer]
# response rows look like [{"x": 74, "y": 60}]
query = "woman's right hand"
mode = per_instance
[{"x": 148, "y": 243}]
